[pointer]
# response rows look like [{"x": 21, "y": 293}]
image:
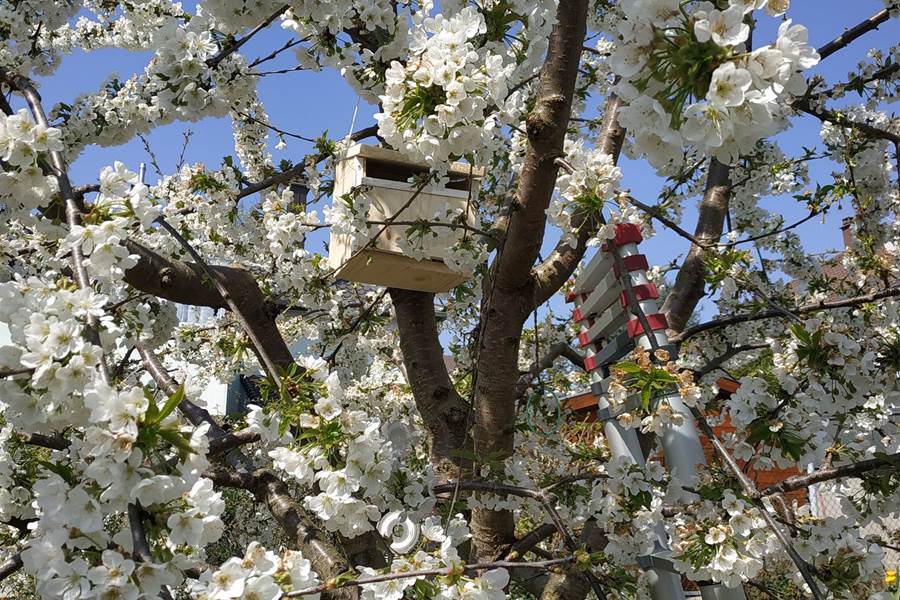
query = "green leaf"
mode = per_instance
[
  {"x": 801, "y": 334},
  {"x": 170, "y": 405},
  {"x": 629, "y": 368},
  {"x": 646, "y": 394},
  {"x": 63, "y": 471},
  {"x": 177, "y": 440},
  {"x": 152, "y": 411}
]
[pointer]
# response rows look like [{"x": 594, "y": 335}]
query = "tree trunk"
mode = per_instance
[{"x": 690, "y": 284}]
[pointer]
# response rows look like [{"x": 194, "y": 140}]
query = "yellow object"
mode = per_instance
[{"x": 890, "y": 577}]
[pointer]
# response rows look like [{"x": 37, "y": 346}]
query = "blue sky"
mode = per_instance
[{"x": 310, "y": 103}]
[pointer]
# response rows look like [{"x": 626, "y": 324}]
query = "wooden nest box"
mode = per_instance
[{"x": 384, "y": 175}]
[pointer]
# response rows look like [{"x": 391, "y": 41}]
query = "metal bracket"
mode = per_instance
[{"x": 661, "y": 560}]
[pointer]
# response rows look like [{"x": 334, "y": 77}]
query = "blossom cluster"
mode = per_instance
[
  {"x": 641, "y": 378},
  {"x": 23, "y": 185},
  {"x": 723, "y": 541},
  {"x": 489, "y": 585},
  {"x": 437, "y": 105},
  {"x": 593, "y": 181},
  {"x": 260, "y": 574},
  {"x": 628, "y": 504},
  {"x": 346, "y": 434},
  {"x": 689, "y": 79},
  {"x": 342, "y": 451}
]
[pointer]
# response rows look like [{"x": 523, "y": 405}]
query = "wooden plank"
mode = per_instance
[
  {"x": 394, "y": 270},
  {"x": 600, "y": 263},
  {"x": 586, "y": 400},
  {"x": 606, "y": 292},
  {"x": 607, "y": 323},
  {"x": 615, "y": 350}
]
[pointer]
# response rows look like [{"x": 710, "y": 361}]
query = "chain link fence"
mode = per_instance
[{"x": 829, "y": 501}]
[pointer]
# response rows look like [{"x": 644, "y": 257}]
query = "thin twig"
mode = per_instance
[
  {"x": 153, "y": 159},
  {"x": 277, "y": 130},
  {"x": 843, "y": 40},
  {"x": 234, "y": 45},
  {"x": 656, "y": 213},
  {"x": 730, "y": 353},
  {"x": 425, "y": 223},
  {"x": 440, "y": 572},
  {"x": 359, "y": 319},
  {"x": 287, "y": 45},
  {"x": 279, "y": 71},
  {"x": 299, "y": 168},
  {"x": 801, "y": 310}
]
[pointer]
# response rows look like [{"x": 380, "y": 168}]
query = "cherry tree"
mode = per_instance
[{"x": 387, "y": 471}]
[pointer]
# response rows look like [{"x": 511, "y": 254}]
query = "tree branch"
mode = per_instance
[
  {"x": 232, "y": 440},
  {"x": 234, "y": 45},
  {"x": 770, "y": 314},
  {"x": 14, "y": 372},
  {"x": 442, "y": 409},
  {"x": 510, "y": 286},
  {"x": 263, "y": 332},
  {"x": 843, "y": 40},
  {"x": 856, "y": 469},
  {"x": 190, "y": 283},
  {"x": 546, "y": 129},
  {"x": 74, "y": 206},
  {"x": 140, "y": 547},
  {"x": 441, "y": 572},
  {"x": 45, "y": 441},
  {"x": 555, "y": 351},
  {"x": 10, "y": 565},
  {"x": 690, "y": 283},
  {"x": 531, "y": 539},
  {"x": 839, "y": 118},
  {"x": 550, "y": 275}
]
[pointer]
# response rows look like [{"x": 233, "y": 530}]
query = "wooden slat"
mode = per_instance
[
  {"x": 607, "y": 323},
  {"x": 615, "y": 350},
  {"x": 595, "y": 270},
  {"x": 606, "y": 292}
]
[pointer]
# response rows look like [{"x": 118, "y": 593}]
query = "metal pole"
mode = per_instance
[
  {"x": 680, "y": 443},
  {"x": 623, "y": 443}
]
